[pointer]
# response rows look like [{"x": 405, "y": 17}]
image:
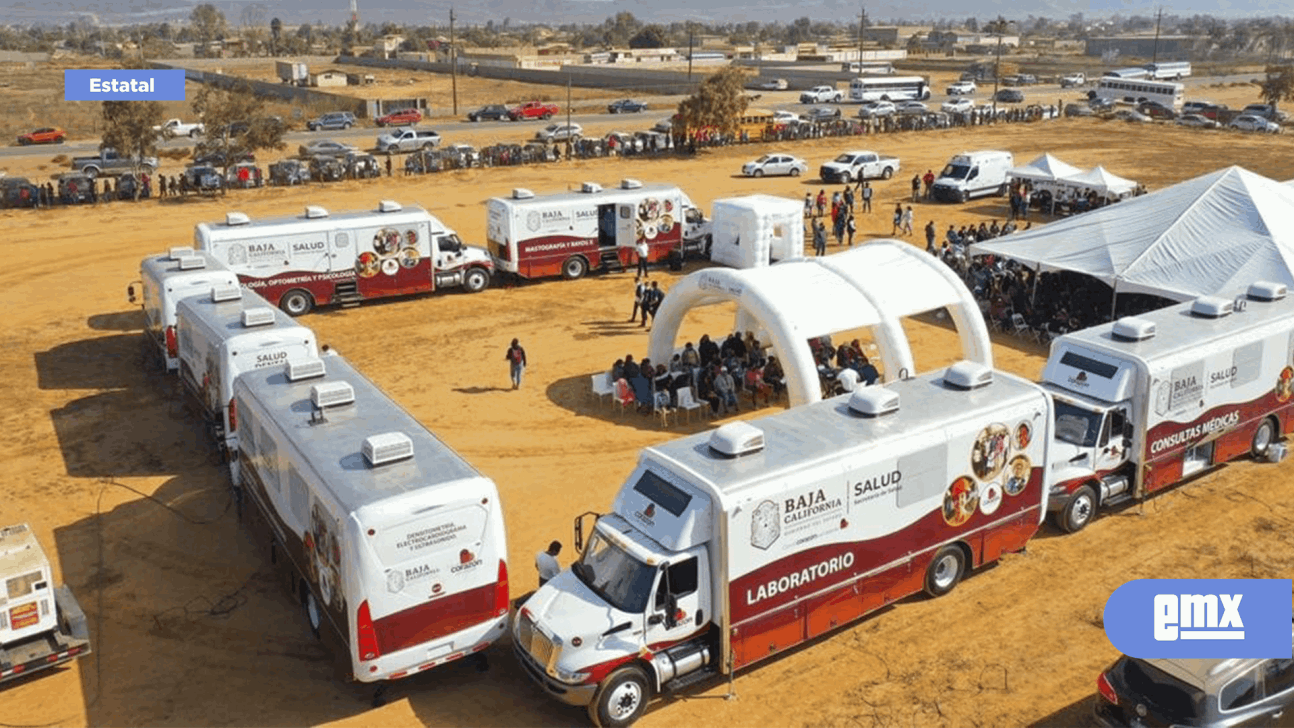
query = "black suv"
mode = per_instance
[
  {"x": 493, "y": 112},
  {"x": 1009, "y": 95}
]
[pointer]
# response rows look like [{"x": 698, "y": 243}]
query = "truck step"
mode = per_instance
[
  {"x": 347, "y": 299},
  {"x": 1118, "y": 499},
  {"x": 611, "y": 260},
  {"x": 692, "y": 678}
]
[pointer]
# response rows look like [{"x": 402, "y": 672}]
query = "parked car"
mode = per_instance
[
  {"x": 1252, "y": 122},
  {"x": 204, "y": 179},
  {"x": 327, "y": 169},
  {"x": 559, "y": 133},
  {"x": 1196, "y": 121},
  {"x": 1073, "y": 80},
  {"x": 1079, "y": 110},
  {"x": 821, "y": 95},
  {"x": 776, "y": 84},
  {"x": 872, "y": 109},
  {"x": 771, "y": 164},
  {"x": 490, "y": 112},
  {"x": 663, "y": 126},
  {"x": 75, "y": 188},
  {"x": 127, "y": 184},
  {"x": 289, "y": 172},
  {"x": 961, "y": 87},
  {"x": 330, "y": 121},
  {"x": 464, "y": 155},
  {"x": 325, "y": 146},
  {"x": 244, "y": 175},
  {"x": 18, "y": 192},
  {"x": 43, "y": 135},
  {"x": 533, "y": 110},
  {"x": 1009, "y": 95},
  {"x": 1156, "y": 110},
  {"x": 218, "y": 159},
  {"x": 1195, "y": 107},
  {"x": 957, "y": 106},
  {"x": 626, "y": 106},
  {"x": 361, "y": 165},
  {"x": 400, "y": 117},
  {"x": 1213, "y": 111},
  {"x": 821, "y": 113},
  {"x": 1100, "y": 104},
  {"x": 1266, "y": 111},
  {"x": 1131, "y": 115},
  {"x": 786, "y": 118},
  {"x": 912, "y": 107}
]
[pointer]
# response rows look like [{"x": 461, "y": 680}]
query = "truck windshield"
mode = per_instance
[
  {"x": 622, "y": 580},
  {"x": 845, "y": 159},
  {"x": 956, "y": 171},
  {"x": 1076, "y": 425}
]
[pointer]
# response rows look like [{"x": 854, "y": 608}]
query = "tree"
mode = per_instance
[
  {"x": 208, "y": 22},
  {"x": 650, "y": 37},
  {"x": 1279, "y": 85},
  {"x": 128, "y": 128},
  {"x": 719, "y": 102},
  {"x": 236, "y": 123},
  {"x": 276, "y": 34}
]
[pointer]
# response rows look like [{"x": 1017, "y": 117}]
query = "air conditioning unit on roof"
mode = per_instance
[
  {"x": 332, "y": 394},
  {"x": 305, "y": 369},
  {"x": 192, "y": 262},
  {"x": 178, "y": 253},
  {"x": 258, "y": 317},
  {"x": 220, "y": 294},
  {"x": 387, "y": 447},
  {"x": 874, "y": 401}
]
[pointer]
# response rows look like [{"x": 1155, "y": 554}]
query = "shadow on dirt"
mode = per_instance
[
  {"x": 130, "y": 432},
  {"x": 1075, "y": 715},
  {"x": 106, "y": 362},
  {"x": 575, "y": 394},
  {"x": 119, "y": 321}
]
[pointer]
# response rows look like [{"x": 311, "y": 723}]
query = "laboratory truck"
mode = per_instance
[
  {"x": 163, "y": 281},
  {"x": 727, "y": 548},
  {"x": 319, "y": 258},
  {"x": 1146, "y": 401},
  {"x": 41, "y": 626}
]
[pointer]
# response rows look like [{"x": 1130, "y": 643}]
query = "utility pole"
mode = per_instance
[
  {"x": 569, "y": 141},
  {"x": 997, "y": 65},
  {"x": 862, "y": 23},
  {"x": 1154, "y": 56},
  {"x": 690, "y": 50},
  {"x": 453, "y": 60}
]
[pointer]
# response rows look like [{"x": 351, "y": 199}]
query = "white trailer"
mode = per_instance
[
  {"x": 756, "y": 230},
  {"x": 569, "y": 233},
  {"x": 40, "y": 626},
  {"x": 225, "y": 333},
  {"x": 319, "y": 258},
  {"x": 390, "y": 540},
  {"x": 1147, "y": 401},
  {"x": 729, "y": 547},
  {"x": 163, "y": 281}
]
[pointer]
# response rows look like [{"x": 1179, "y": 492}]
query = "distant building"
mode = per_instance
[
  {"x": 1170, "y": 47},
  {"x": 325, "y": 79},
  {"x": 961, "y": 39},
  {"x": 387, "y": 46}
]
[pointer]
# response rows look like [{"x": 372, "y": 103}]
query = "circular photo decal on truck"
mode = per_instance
[
  {"x": 989, "y": 452},
  {"x": 960, "y": 501},
  {"x": 1285, "y": 384},
  {"x": 990, "y": 498},
  {"x": 367, "y": 264},
  {"x": 1017, "y": 475},
  {"x": 1023, "y": 435}
]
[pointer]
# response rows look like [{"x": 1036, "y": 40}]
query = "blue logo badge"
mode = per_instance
[
  {"x": 119, "y": 84},
  {"x": 1201, "y": 618}
]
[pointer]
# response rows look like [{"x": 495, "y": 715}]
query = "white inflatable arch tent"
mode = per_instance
[{"x": 874, "y": 285}]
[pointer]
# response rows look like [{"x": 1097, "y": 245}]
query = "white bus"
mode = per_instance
[
  {"x": 1135, "y": 91},
  {"x": 869, "y": 68},
  {"x": 1134, "y": 72},
  {"x": 894, "y": 88},
  {"x": 1169, "y": 69}
]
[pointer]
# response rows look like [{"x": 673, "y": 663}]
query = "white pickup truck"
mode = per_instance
[
  {"x": 1073, "y": 80},
  {"x": 821, "y": 95},
  {"x": 177, "y": 128},
  {"x": 407, "y": 140},
  {"x": 857, "y": 165}
]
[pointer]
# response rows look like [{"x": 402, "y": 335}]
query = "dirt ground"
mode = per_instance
[{"x": 191, "y": 628}]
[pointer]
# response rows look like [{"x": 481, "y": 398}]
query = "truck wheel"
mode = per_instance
[
  {"x": 312, "y": 613},
  {"x": 296, "y": 303},
  {"x": 194, "y": 133},
  {"x": 621, "y": 700},
  {"x": 428, "y": 146},
  {"x": 846, "y": 178},
  {"x": 574, "y": 268},
  {"x": 1080, "y": 511},
  {"x": 887, "y": 173},
  {"x": 945, "y": 571},
  {"x": 91, "y": 172},
  {"x": 1263, "y": 437},
  {"x": 547, "y": 116},
  {"x": 476, "y": 280}
]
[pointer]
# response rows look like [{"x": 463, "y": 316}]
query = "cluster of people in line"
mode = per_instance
[
  {"x": 843, "y": 224},
  {"x": 711, "y": 373}
]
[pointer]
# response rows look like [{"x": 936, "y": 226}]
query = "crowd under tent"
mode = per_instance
[
  {"x": 1102, "y": 182},
  {"x": 871, "y": 287}
]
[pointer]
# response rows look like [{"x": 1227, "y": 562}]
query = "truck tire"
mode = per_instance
[
  {"x": 574, "y": 267},
  {"x": 429, "y": 146},
  {"x": 945, "y": 570},
  {"x": 1263, "y": 437},
  {"x": 621, "y": 700},
  {"x": 91, "y": 172},
  {"x": 547, "y": 115},
  {"x": 297, "y": 302},
  {"x": 194, "y": 133},
  {"x": 1080, "y": 510},
  {"x": 887, "y": 173},
  {"x": 476, "y": 280},
  {"x": 846, "y": 177}
]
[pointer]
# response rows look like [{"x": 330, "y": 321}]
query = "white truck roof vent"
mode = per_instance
[
  {"x": 1131, "y": 328},
  {"x": 874, "y": 401},
  {"x": 220, "y": 294},
  {"x": 1266, "y": 291},
  {"x": 1212, "y": 307},
  {"x": 314, "y": 212},
  {"x": 590, "y": 187},
  {"x": 521, "y": 193},
  {"x": 387, "y": 447},
  {"x": 968, "y": 375},
  {"x": 630, "y": 184},
  {"x": 389, "y": 206},
  {"x": 332, "y": 394},
  {"x": 736, "y": 439},
  {"x": 237, "y": 218},
  {"x": 261, "y": 316},
  {"x": 179, "y": 252},
  {"x": 192, "y": 262},
  {"x": 305, "y": 369}
]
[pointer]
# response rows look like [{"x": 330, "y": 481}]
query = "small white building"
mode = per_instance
[{"x": 325, "y": 79}]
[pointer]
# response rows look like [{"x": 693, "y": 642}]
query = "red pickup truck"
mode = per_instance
[{"x": 533, "y": 110}]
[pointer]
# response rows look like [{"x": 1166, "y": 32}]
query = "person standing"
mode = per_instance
[
  {"x": 930, "y": 236},
  {"x": 867, "y": 197},
  {"x": 907, "y": 221},
  {"x": 819, "y": 238},
  {"x": 850, "y": 229},
  {"x": 808, "y": 205},
  {"x": 161, "y": 186},
  {"x": 898, "y": 218},
  {"x": 388, "y": 165},
  {"x": 546, "y": 563},
  {"x": 640, "y": 289},
  {"x": 916, "y": 187},
  {"x": 516, "y": 358},
  {"x": 822, "y": 202},
  {"x": 651, "y": 301},
  {"x": 929, "y": 179},
  {"x": 643, "y": 251}
]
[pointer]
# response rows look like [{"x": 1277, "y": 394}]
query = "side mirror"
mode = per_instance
[{"x": 671, "y": 611}]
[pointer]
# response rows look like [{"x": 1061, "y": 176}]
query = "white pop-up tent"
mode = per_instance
[
  {"x": 756, "y": 230},
  {"x": 1206, "y": 236},
  {"x": 872, "y": 286},
  {"x": 1102, "y": 181},
  {"x": 1044, "y": 169}
]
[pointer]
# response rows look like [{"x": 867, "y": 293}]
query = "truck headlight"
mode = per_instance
[
  {"x": 1057, "y": 490},
  {"x": 571, "y": 678}
]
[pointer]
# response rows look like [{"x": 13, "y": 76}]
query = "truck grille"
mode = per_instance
[{"x": 534, "y": 642}]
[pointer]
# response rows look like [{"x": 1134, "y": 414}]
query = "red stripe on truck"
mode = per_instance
[{"x": 436, "y": 618}]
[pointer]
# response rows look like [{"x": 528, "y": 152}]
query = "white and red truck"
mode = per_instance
[
  {"x": 319, "y": 258},
  {"x": 41, "y": 626},
  {"x": 726, "y": 548},
  {"x": 569, "y": 233},
  {"x": 1146, "y": 401},
  {"x": 163, "y": 281}
]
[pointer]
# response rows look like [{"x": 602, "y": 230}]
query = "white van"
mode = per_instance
[
  {"x": 389, "y": 539},
  {"x": 973, "y": 174},
  {"x": 230, "y": 331},
  {"x": 163, "y": 281}
]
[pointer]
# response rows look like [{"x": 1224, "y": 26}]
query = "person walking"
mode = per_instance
[
  {"x": 516, "y": 358},
  {"x": 643, "y": 252},
  {"x": 898, "y": 218},
  {"x": 651, "y": 301},
  {"x": 906, "y": 222},
  {"x": 546, "y": 563},
  {"x": 819, "y": 238},
  {"x": 640, "y": 289},
  {"x": 839, "y": 228},
  {"x": 867, "y": 197},
  {"x": 850, "y": 229},
  {"x": 808, "y": 205}
]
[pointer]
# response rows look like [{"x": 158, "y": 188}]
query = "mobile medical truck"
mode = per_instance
[
  {"x": 163, "y": 281},
  {"x": 318, "y": 258},
  {"x": 1145, "y": 401},
  {"x": 723, "y": 549},
  {"x": 570, "y": 232},
  {"x": 229, "y": 331},
  {"x": 41, "y": 626},
  {"x": 388, "y": 538},
  {"x": 973, "y": 174}
]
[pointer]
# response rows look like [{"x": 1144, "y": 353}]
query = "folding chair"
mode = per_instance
[
  {"x": 687, "y": 402},
  {"x": 603, "y": 387},
  {"x": 662, "y": 408},
  {"x": 1020, "y": 327},
  {"x": 623, "y": 395}
]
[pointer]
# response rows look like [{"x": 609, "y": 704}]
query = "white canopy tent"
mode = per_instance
[
  {"x": 1046, "y": 168},
  {"x": 756, "y": 230},
  {"x": 1209, "y": 235},
  {"x": 788, "y": 303},
  {"x": 1102, "y": 181}
]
